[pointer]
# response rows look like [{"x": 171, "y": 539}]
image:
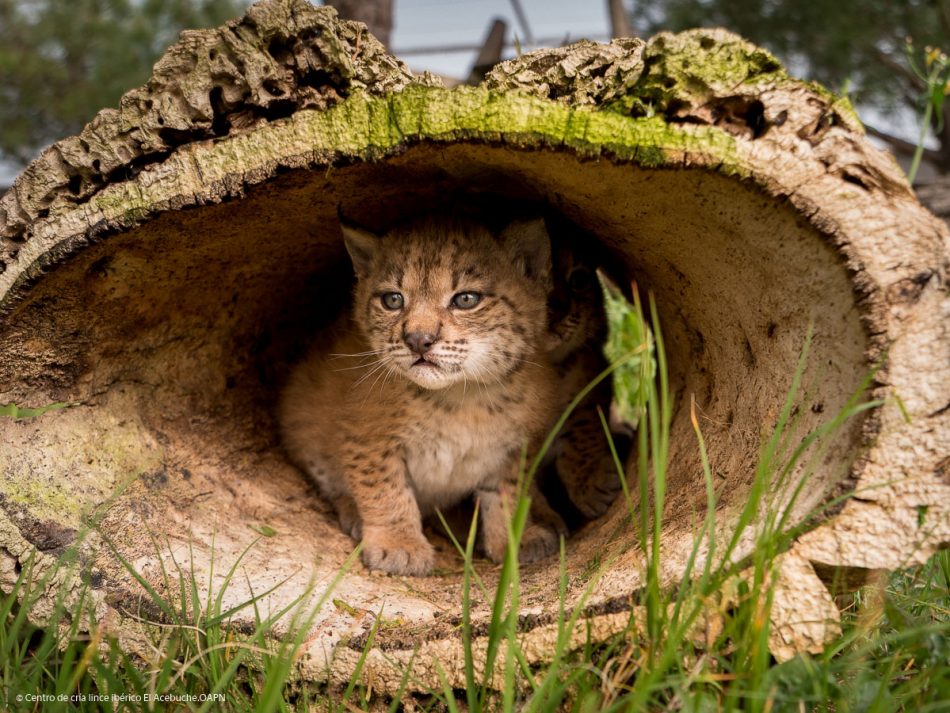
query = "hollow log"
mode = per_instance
[{"x": 161, "y": 271}]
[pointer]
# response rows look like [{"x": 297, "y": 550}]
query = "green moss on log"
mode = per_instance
[
  {"x": 368, "y": 127},
  {"x": 696, "y": 76},
  {"x": 285, "y": 56}
]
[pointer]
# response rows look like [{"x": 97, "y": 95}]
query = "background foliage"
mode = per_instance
[{"x": 63, "y": 60}]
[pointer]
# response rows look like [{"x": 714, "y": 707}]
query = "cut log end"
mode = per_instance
[{"x": 164, "y": 299}]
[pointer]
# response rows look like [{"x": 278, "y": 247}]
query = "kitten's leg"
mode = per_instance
[
  {"x": 584, "y": 463},
  {"x": 494, "y": 514},
  {"x": 392, "y": 524},
  {"x": 543, "y": 530}
]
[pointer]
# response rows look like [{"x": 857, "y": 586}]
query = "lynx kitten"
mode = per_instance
[{"x": 437, "y": 381}]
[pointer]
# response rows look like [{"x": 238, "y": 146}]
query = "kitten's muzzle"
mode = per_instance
[{"x": 420, "y": 342}]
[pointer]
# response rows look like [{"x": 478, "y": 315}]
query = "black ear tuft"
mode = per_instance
[{"x": 362, "y": 245}]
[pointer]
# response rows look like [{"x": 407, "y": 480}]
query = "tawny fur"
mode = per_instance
[{"x": 389, "y": 435}]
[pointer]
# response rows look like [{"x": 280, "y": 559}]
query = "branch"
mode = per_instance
[
  {"x": 490, "y": 53},
  {"x": 888, "y": 61},
  {"x": 944, "y": 10},
  {"x": 900, "y": 146}
]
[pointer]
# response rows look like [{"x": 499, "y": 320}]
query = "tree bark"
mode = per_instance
[{"x": 160, "y": 272}]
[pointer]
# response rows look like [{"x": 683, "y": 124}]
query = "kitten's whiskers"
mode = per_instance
[
  {"x": 362, "y": 366},
  {"x": 496, "y": 353},
  {"x": 371, "y": 352},
  {"x": 486, "y": 390},
  {"x": 377, "y": 366}
]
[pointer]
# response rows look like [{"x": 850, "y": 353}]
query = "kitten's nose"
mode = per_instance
[{"x": 420, "y": 342}]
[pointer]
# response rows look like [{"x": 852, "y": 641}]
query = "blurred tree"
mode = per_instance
[
  {"x": 63, "y": 60},
  {"x": 619, "y": 20},
  {"x": 857, "y": 46}
]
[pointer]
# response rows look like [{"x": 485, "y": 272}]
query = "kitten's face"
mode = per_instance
[{"x": 444, "y": 301}]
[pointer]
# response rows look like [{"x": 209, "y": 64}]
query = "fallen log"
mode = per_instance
[{"x": 160, "y": 272}]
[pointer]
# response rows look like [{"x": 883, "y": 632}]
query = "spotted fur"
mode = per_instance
[
  {"x": 390, "y": 433},
  {"x": 580, "y": 457}
]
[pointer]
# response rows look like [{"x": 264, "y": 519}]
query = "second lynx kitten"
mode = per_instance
[
  {"x": 581, "y": 456},
  {"x": 433, "y": 388}
]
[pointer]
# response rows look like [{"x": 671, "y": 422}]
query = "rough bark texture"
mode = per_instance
[
  {"x": 279, "y": 58},
  {"x": 164, "y": 268}
]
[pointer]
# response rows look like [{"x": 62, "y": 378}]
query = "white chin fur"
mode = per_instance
[{"x": 430, "y": 377}]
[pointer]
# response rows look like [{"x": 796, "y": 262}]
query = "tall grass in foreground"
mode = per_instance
[
  {"x": 190, "y": 660},
  {"x": 699, "y": 646},
  {"x": 703, "y": 645}
]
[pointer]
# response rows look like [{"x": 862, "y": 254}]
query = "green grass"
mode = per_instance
[
  {"x": 19, "y": 412},
  {"x": 894, "y": 652},
  {"x": 192, "y": 660}
]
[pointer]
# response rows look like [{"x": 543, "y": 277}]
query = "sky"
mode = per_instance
[{"x": 437, "y": 23}]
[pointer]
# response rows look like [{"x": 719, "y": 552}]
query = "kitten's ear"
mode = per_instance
[
  {"x": 362, "y": 246},
  {"x": 529, "y": 245}
]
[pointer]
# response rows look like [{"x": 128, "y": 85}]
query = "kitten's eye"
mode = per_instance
[
  {"x": 580, "y": 279},
  {"x": 466, "y": 300},
  {"x": 392, "y": 300}
]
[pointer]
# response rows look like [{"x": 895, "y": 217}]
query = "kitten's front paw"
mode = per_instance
[
  {"x": 397, "y": 552},
  {"x": 537, "y": 542}
]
